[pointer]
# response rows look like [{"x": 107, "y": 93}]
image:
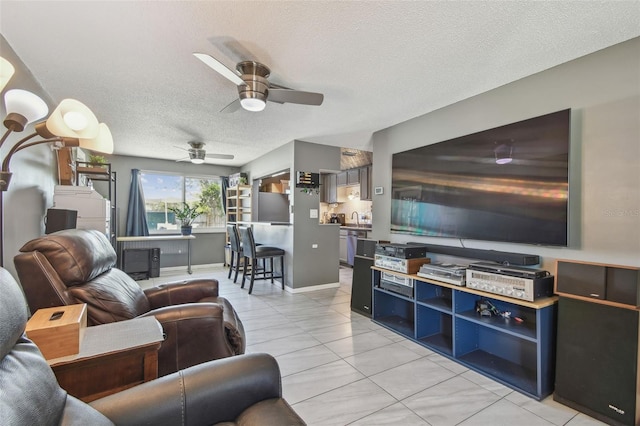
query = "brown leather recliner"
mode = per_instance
[
  {"x": 77, "y": 266},
  {"x": 241, "y": 390}
]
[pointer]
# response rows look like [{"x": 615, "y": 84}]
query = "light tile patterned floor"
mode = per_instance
[{"x": 340, "y": 368}]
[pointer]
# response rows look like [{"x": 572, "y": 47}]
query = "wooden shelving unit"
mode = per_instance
[{"x": 239, "y": 204}]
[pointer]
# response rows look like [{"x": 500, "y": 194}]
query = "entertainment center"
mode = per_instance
[
  {"x": 516, "y": 352},
  {"x": 505, "y": 184}
]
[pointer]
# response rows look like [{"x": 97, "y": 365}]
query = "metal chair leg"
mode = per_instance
[
  {"x": 254, "y": 265},
  {"x": 282, "y": 269},
  {"x": 235, "y": 277},
  {"x": 244, "y": 271},
  {"x": 271, "y": 271},
  {"x": 231, "y": 264}
]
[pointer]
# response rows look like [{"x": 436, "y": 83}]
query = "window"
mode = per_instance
[{"x": 164, "y": 190}]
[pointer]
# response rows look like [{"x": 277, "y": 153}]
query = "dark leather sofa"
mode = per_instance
[
  {"x": 243, "y": 390},
  {"x": 78, "y": 266}
]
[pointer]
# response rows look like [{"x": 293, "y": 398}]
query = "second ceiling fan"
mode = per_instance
[
  {"x": 197, "y": 153},
  {"x": 254, "y": 88}
]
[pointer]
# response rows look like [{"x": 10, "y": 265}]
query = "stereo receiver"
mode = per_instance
[
  {"x": 396, "y": 284},
  {"x": 511, "y": 286},
  {"x": 406, "y": 266}
]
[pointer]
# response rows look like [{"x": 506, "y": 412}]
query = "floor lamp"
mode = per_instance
[{"x": 70, "y": 124}]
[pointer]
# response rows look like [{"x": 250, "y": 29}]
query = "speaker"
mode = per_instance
[
  {"x": 361, "y": 285},
  {"x": 597, "y": 360},
  {"x": 136, "y": 263},
  {"x": 619, "y": 284},
  {"x": 366, "y": 248},
  {"x": 503, "y": 257},
  {"x": 154, "y": 263},
  {"x": 59, "y": 219}
]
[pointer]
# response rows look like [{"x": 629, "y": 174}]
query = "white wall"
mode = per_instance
[
  {"x": 603, "y": 91},
  {"x": 34, "y": 172}
]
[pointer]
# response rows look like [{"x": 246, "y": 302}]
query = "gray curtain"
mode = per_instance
[
  {"x": 225, "y": 186},
  {"x": 136, "y": 214}
]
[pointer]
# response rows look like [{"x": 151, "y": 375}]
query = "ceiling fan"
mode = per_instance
[
  {"x": 197, "y": 153},
  {"x": 254, "y": 88}
]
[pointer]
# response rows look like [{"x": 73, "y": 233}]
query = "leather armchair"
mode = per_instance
[
  {"x": 78, "y": 266},
  {"x": 242, "y": 390}
]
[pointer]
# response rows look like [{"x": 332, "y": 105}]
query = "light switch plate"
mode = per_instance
[{"x": 313, "y": 213}]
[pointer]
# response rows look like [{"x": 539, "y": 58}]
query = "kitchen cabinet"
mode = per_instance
[
  {"x": 365, "y": 183},
  {"x": 348, "y": 177},
  {"x": 443, "y": 318},
  {"x": 353, "y": 176},
  {"x": 343, "y": 245},
  {"x": 329, "y": 193}
]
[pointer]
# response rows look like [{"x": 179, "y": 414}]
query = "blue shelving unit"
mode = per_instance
[{"x": 442, "y": 317}]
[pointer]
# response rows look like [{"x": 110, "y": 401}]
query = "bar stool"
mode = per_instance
[
  {"x": 236, "y": 251},
  {"x": 252, "y": 253}
]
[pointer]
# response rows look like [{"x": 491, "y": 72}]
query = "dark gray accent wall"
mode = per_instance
[{"x": 603, "y": 91}]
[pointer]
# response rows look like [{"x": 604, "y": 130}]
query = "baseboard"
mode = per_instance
[
  {"x": 311, "y": 288},
  {"x": 183, "y": 268}
]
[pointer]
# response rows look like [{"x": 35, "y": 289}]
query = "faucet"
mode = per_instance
[{"x": 357, "y": 218}]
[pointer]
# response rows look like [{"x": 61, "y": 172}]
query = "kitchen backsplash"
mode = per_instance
[{"x": 360, "y": 206}]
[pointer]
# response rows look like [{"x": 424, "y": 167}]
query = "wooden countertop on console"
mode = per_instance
[{"x": 537, "y": 304}]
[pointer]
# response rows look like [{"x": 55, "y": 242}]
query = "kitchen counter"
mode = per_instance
[
  {"x": 265, "y": 223},
  {"x": 353, "y": 227}
]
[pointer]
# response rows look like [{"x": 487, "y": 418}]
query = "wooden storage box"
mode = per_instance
[{"x": 58, "y": 331}]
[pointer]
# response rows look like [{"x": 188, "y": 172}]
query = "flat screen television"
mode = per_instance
[{"x": 509, "y": 184}]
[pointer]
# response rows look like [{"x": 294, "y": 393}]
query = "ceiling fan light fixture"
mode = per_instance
[
  {"x": 196, "y": 155},
  {"x": 253, "y": 104}
]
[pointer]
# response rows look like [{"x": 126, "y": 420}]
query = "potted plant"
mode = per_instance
[
  {"x": 98, "y": 160},
  {"x": 186, "y": 214}
]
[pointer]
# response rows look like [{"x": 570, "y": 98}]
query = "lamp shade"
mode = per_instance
[
  {"x": 73, "y": 119},
  {"x": 23, "y": 107},
  {"x": 6, "y": 72},
  {"x": 103, "y": 142}
]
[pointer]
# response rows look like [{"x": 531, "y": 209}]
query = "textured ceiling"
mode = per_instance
[{"x": 377, "y": 63}]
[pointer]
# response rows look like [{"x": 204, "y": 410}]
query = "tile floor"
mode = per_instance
[{"x": 339, "y": 368}]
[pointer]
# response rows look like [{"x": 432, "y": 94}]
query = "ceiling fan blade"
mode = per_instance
[
  {"x": 295, "y": 96},
  {"x": 232, "y": 107},
  {"x": 221, "y": 156},
  {"x": 179, "y": 147},
  {"x": 183, "y": 159},
  {"x": 220, "y": 68}
]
